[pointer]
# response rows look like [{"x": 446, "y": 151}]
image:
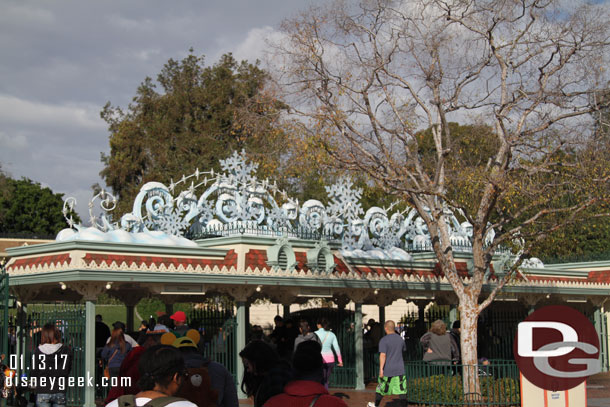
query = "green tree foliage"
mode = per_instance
[
  {"x": 371, "y": 75},
  {"x": 195, "y": 115},
  {"x": 472, "y": 145},
  {"x": 28, "y": 208},
  {"x": 588, "y": 237},
  {"x": 198, "y": 117}
]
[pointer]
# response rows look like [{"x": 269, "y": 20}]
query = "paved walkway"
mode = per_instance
[
  {"x": 598, "y": 390},
  {"x": 598, "y": 394}
]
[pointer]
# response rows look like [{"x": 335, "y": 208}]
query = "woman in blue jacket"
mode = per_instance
[
  {"x": 329, "y": 344},
  {"x": 115, "y": 351}
]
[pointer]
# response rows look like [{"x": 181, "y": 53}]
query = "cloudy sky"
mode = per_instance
[{"x": 63, "y": 60}]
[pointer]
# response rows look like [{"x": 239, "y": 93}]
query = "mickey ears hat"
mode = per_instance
[
  {"x": 184, "y": 342},
  {"x": 191, "y": 338}
]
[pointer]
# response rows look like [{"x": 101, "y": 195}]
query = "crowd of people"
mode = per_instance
[
  {"x": 291, "y": 366},
  {"x": 294, "y": 361}
]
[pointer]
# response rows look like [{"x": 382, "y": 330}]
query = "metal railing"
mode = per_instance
[
  {"x": 440, "y": 383},
  {"x": 457, "y": 246},
  {"x": 223, "y": 347},
  {"x": 70, "y": 319},
  {"x": 253, "y": 229}
]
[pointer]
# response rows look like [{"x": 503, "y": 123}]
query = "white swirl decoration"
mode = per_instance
[
  {"x": 313, "y": 215},
  {"x": 236, "y": 197}
]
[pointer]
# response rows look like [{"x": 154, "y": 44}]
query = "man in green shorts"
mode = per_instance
[{"x": 392, "y": 380}]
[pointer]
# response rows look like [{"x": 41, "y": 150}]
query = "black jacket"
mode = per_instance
[{"x": 50, "y": 363}]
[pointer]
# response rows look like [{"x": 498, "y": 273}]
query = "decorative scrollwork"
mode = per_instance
[
  {"x": 68, "y": 211},
  {"x": 236, "y": 201}
]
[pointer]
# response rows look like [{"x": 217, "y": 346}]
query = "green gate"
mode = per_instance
[
  {"x": 497, "y": 326},
  {"x": 599, "y": 319},
  {"x": 4, "y": 320},
  {"x": 217, "y": 325},
  {"x": 342, "y": 324},
  {"x": 223, "y": 347},
  {"x": 70, "y": 319}
]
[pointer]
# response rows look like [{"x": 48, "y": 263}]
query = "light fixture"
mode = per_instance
[
  {"x": 183, "y": 289},
  {"x": 376, "y": 291},
  {"x": 63, "y": 285},
  {"x": 577, "y": 300},
  {"x": 108, "y": 285},
  {"x": 259, "y": 288},
  {"x": 548, "y": 296}
]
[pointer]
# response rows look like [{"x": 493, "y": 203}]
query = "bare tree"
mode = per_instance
[{"x": 368, "y": 78}]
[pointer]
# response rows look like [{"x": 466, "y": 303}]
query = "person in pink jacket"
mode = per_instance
[{"x": 329, "y": 344}]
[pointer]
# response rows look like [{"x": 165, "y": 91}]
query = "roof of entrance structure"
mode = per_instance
[{"x": 232, "y": 228}]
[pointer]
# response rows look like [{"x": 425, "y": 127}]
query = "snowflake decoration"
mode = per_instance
[
  {"x": 150, "y": 224},
  {"x": 277, "y": 218},
  {"x": 172, "y": 223},
  {"x": 349, "y": 241},
  {"x": 344, "y": 200},
  {"x": 238, "y": 171},
  {"x": 206, "y": 213}
]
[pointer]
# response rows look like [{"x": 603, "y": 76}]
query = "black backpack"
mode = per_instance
[{"x": 130, "y": 401}]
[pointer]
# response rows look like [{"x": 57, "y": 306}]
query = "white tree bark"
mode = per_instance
[{"x": 366, "y": 79}]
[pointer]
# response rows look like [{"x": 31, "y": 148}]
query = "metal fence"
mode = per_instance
[
  {"x": 440, "y": 383},
  {"x": 497, "y": 326},
  {"x": 254, "y": 229},
  {"x": 4, "y": 320},
  {"x": 342, "y": 324},
  {"x": 458, "y": 246},
  {"x": 70, "y": 319},
  {"x": 217, "y": 325},
  {"x": 4, "y": 304}
]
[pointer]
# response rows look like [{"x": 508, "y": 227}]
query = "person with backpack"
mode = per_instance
[
  {"x": 306, "y": 334},
  {"x": 329, "y": 345},
  {"x": 221, "y": 379},
  {"x": 306, "y": 390},
  {"x": 162, "y": 372},
  {"x": 53, "y": 361},
  {"x": 115, "y": 351}
]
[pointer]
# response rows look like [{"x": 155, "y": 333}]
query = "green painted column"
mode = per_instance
[
  {"x": 240, "y": 343},
  {"x": 358, "y": 341},
  {"x": 286, "y": 310},
  {"x": 20, "y": 333},
  {"x": 605, "y": 339},
  {"x": 90, "y": 352},
  {"x": 599, "y": 327},
  {"x": 129, "y": 318},
  {"x": 382, "y": 319}
]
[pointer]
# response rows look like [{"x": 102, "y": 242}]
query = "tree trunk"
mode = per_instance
[{"x": 468, "y": 346}]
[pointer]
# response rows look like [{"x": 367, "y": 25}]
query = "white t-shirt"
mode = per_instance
[{"x": 140, "y": 401}]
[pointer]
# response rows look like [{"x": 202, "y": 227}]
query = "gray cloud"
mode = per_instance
[{"x": 63, "y": 60}]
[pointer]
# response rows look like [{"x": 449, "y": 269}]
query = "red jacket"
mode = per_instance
[{"x": 300, "y": 393}]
